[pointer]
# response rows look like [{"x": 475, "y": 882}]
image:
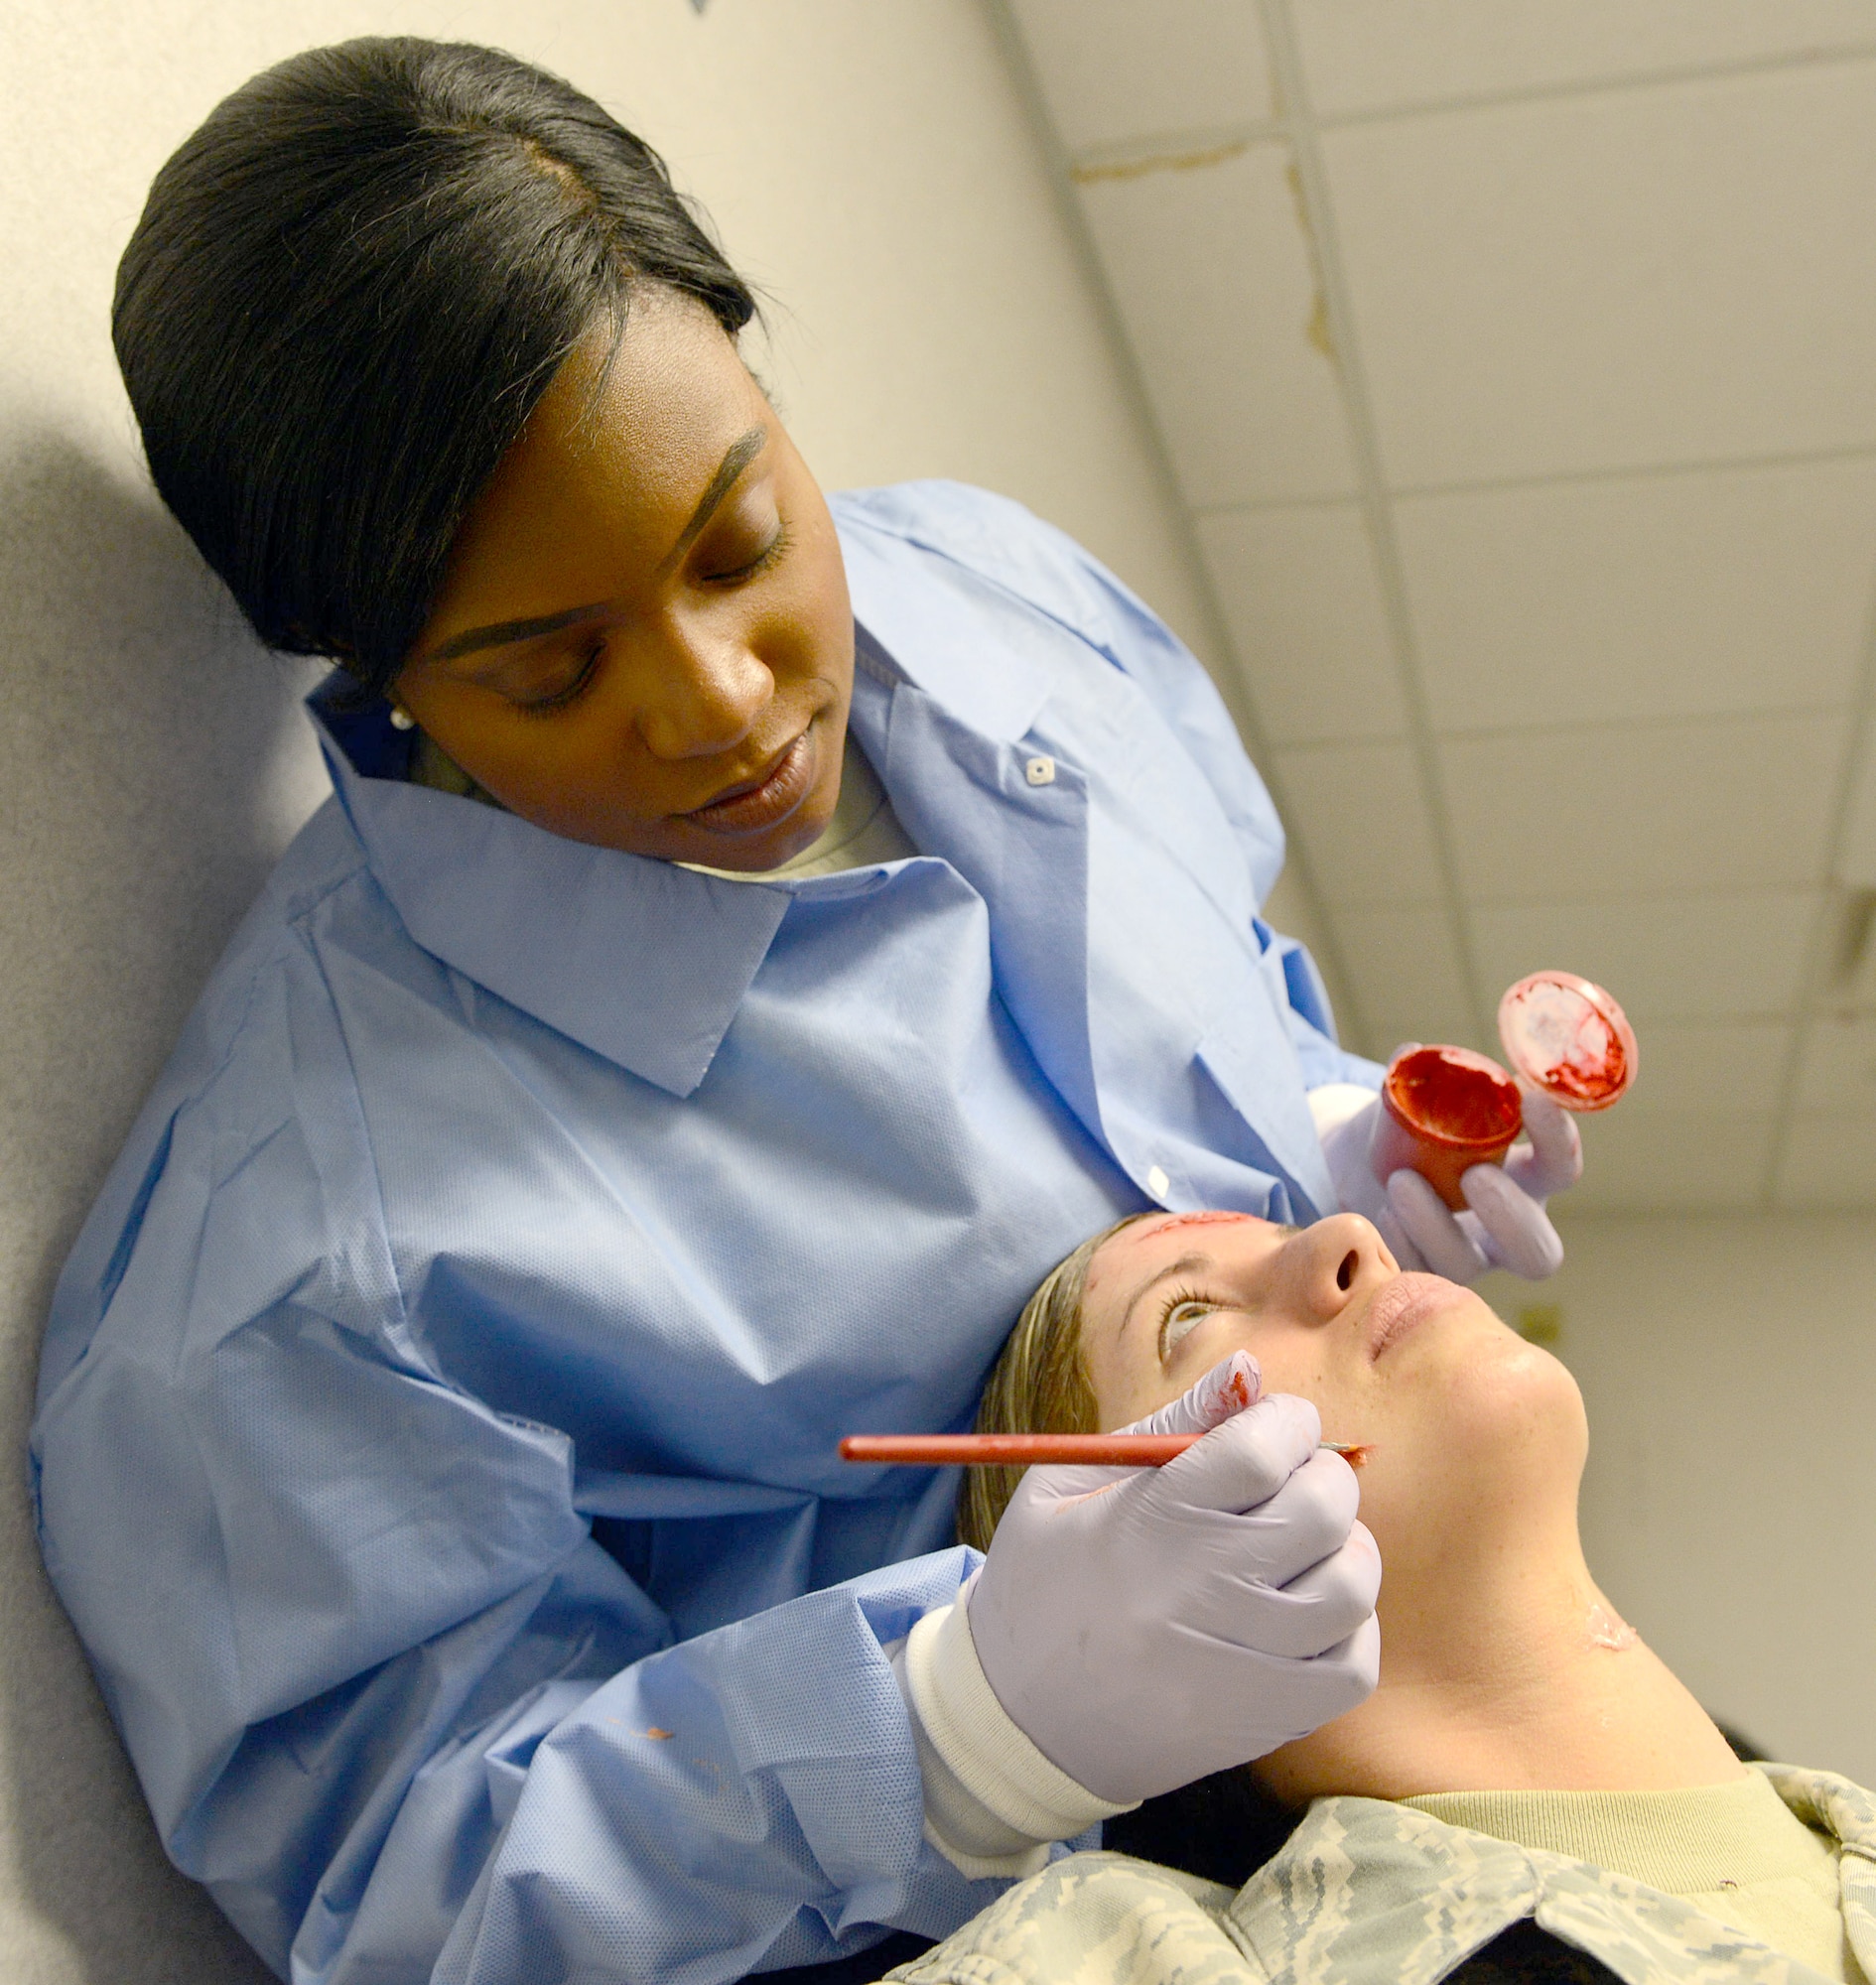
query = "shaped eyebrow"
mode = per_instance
[
  {"x": 741, "y": 452},
  {"x": 503, "y": 633},
  {"x": 1187, "y": 1264}
]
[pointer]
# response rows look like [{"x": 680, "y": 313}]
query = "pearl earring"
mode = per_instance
[{"x": 402, "y": 720}]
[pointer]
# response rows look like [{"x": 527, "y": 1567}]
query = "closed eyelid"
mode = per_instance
[
  {"x": 729, "y": 474},
  {"x": 771, "y": 553},
  {"x": 499, "y": 668},
  {"x": 509, "y": 633}
]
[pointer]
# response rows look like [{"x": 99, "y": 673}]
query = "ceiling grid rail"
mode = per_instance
[
  {"x": 1060, "y": 167},
  {"x": 1299, "y": 132},
  {"x": 1827, "y": 920}
]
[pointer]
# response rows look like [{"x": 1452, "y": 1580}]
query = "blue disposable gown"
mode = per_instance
[{"x": 436, "y": 1438}]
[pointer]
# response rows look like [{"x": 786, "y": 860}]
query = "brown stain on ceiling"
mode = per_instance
[{"x": 1159, "y": 161}]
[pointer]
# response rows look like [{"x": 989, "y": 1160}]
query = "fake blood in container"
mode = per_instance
[
  {"x": 1569, "y": 1039},
  {"x": 1445, "y": 1109}
]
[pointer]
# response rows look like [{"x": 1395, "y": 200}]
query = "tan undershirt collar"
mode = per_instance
[{"x": 1734, "y": 1851}]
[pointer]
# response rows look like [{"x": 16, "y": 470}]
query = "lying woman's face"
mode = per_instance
[
  {"x": 644, "y": 639},
  {"x": 1455, "y": 1405}
]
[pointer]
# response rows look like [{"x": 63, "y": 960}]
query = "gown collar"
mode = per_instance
[{"x": 641, "y": 961}]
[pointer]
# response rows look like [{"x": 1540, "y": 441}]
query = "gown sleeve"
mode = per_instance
[{"x": 387, "y": 1697}]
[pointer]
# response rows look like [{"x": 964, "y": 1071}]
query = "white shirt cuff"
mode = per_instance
[
  {"x": 1335, "y": 1102},
  {"x": 993, "y": 1802}
]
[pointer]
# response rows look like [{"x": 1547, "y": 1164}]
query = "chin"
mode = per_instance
[
  {"x": 1515, "y": 1412},
  {"x": 794, "y": 836},
  {"x": 1476, "y": 1412}
]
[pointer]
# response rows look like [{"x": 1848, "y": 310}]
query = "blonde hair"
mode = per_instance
[{"x": 1040, "y": 1385}]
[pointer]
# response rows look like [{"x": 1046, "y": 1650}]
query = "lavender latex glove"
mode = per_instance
[
  {"x": 1505, "y": 1225},
  {"x": 1146, "y": 1627}
]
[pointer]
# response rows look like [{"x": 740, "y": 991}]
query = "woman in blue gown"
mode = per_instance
[{"x": 751, "y": 938}]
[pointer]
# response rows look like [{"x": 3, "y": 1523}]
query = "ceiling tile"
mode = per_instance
[
  {"x": 1365, "y": 55},
  {"x": 1836, "y": 1068},
  {"x": 1722, "y": 1068},
  {"x": 1675, "y": 957},
  {"x": 1212, "y": 278},
  {"x": 1847, "y": 954},
  {"x": 1828, "y": 1164},
  {"x": 1856, "y": 853},
  {"x": 1658, "y": 596},
  {"x": 1661, "y": 1162},
  {"x": 1359, "y": 814},
  {"x": 1657, "y": 275},
  {"x": 1302, "y": 599},
  {"x": 1405, "y": 978},
  {"x": 1728, "y": 802},
  {"x": 1111, "y": 70}
]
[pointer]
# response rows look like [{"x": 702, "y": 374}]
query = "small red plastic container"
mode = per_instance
[{"x": 1443, "y": 1111}]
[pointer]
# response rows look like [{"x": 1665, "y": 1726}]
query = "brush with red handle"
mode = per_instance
[{"x": 1023, "y": 1450}]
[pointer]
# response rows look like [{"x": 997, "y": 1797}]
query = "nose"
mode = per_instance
[
  {"x": 1335, "y": 1260},
  {"x": 700, "y": 697}
]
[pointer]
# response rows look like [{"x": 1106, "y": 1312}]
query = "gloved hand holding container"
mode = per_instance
[{"x": 1445, "y": 1109}]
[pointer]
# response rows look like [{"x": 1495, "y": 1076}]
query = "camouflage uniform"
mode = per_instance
[{"x": 1368, "y": 1892}]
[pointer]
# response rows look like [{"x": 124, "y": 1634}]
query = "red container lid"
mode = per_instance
[{"x": 1569, "y": 1039}]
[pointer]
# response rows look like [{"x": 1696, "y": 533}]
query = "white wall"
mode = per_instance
[
  {"x": 1729, "y": 1368},
  {"x": 870, "y": 166}
]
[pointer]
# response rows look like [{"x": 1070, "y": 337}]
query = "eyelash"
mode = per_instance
[
  {"x": 545, "y": 706},
  {"x": 1178, "y": 1300},
  {"x": 770, "y": 555}
]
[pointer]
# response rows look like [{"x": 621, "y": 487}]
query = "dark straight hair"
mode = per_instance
[{"x": 345, "y": 295}]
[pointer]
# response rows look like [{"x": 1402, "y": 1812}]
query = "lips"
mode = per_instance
[
  {"x": 1403, "y": 1306},
  {"x": 764, "y": 801}
]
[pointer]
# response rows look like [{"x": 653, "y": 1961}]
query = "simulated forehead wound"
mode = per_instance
[{"x": 1213, "y": 1219}]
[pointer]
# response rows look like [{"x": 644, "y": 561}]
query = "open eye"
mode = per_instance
[{"x": 1182, "y": 1316}]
